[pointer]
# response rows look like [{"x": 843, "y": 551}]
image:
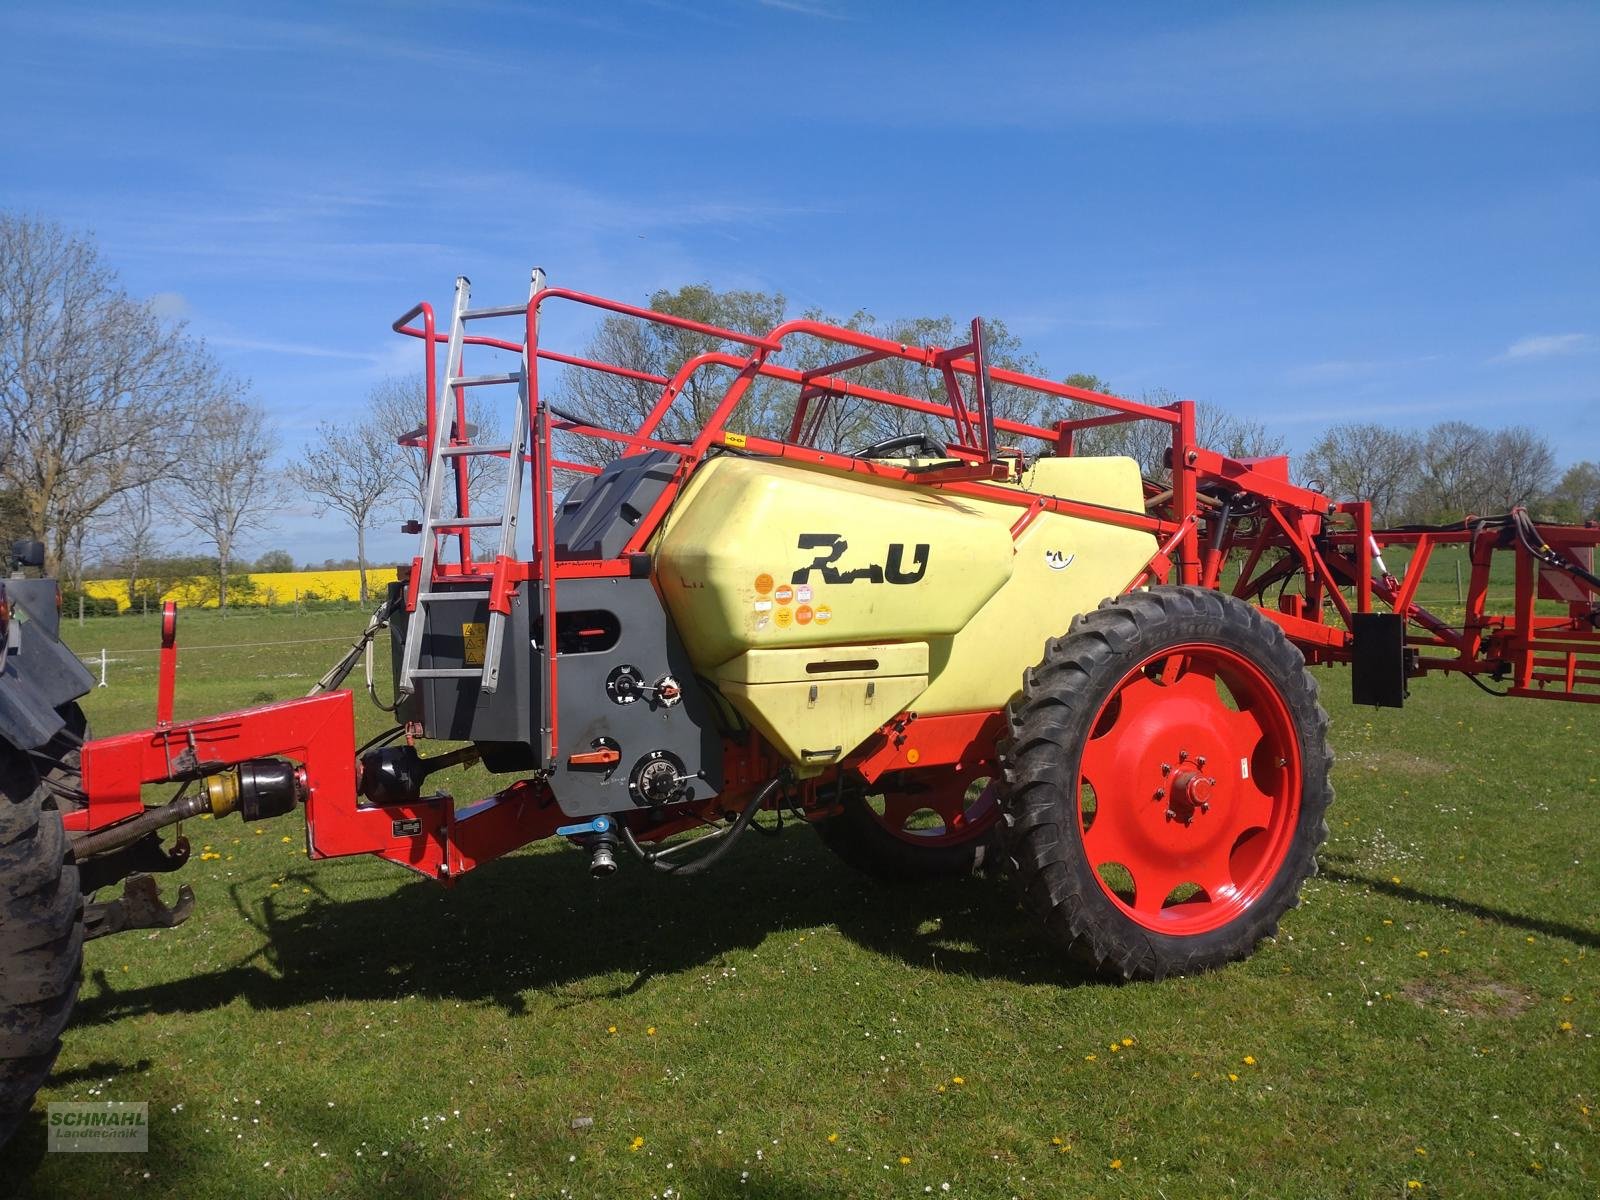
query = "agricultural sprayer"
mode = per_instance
[{"x": 964, "y": 643}]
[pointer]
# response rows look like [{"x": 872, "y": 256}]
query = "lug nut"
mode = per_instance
[{"x": 1161, "y": 793}]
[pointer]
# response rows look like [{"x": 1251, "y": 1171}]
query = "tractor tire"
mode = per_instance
[
  {"x": 1167, "y": 783},
  {"x": 59, "y": 762},
  {"x": 903, "y": 843},
  {"x": 41, "y": 936}
]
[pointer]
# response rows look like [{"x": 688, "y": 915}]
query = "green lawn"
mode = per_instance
[{"x": 785, "y": 1028}]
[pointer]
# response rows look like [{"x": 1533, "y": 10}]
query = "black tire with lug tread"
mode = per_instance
[
  {"x": 41, "y": 936},
  {"x": 859, "y": 837},
  {"x": 59, "y": 761},
  {"x": 1049, "y": 724}
]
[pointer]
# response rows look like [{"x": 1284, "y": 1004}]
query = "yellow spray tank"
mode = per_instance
[{"x": 822, "y": 605}]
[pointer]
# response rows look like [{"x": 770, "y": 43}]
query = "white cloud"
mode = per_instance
[{"x": 1548, "y": 345}]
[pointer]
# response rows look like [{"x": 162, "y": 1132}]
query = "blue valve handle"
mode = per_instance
[{"x": 598, "y": 825}]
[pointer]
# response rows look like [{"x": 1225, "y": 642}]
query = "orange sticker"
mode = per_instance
[
  {"x": 783, "y": 616},
  {"x": 763, "y": 584},
  {"x": 824, "y": 614},
  {"x": 784, "y": 594},
  {"x": 803, "y": 615}
]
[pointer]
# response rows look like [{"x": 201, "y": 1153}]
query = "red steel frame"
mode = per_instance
[{"x": 1215, "y": 510}]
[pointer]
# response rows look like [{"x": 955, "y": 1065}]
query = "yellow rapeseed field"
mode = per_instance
[{"x": 271, "y": 587}]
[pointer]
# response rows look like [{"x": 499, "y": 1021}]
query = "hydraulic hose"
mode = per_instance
[{"x": 656, "y": 859}]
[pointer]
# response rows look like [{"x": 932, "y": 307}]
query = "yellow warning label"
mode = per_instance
[
  {"x": 736, "y": 440},
  {"x": 473, "y": 636}
]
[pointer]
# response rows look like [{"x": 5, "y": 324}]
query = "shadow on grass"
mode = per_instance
[
  {"x": 536, "y": 921},
  {"x": 1400, "y": 891}
]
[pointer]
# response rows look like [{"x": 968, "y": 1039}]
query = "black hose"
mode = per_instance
[{"x": 654, "y": 859}]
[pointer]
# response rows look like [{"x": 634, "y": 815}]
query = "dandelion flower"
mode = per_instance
[
  {"x": 832, "y": 1137},
  {"x": 905, "y": 1160},
  {"x": 1422, "y": 1151},
  {"x": 1090, "y": 1057},
  {"x": 1566, "y": 1027},
  {"x": 1116, "y": 1164},
  {"x": 957, "y": 1080},
  {"x": 1127, "y": 1041},
  {"x": 1232, "y": 1078},
  {"x": 286, "y": 839},
  {"x": 636, "y": 1144},
  {"x": 1249, "y": 1060},
  {"x": 611, "y": 1028},
  {"x": 1413, "y": 1184},
  {"x": 650, "y": 1032},
  {"x": 1422, "y": 954}
]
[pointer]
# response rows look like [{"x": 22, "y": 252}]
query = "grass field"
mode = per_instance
[{"x": 784, "y": 1028}]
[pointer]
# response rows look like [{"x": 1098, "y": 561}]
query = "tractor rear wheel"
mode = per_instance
[
  {"x": 60, "y": 761},
  {"x": 915, "y": 828},
  {"x": 41, "y": 935},
  {"x": 1167, "y": 782}
]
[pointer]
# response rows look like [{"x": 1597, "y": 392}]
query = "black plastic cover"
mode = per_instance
[
  {"x": 1378, "y": 660},
  {"x": 600, "y": 512}
]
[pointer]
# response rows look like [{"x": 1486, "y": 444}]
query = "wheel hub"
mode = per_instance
[{"x": 1190, "y": 794}]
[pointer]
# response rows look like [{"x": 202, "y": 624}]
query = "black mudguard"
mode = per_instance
[{"x": 37, "y": 673}]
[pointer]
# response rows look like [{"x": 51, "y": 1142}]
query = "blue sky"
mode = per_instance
[{"x": 1305, "y": 213}]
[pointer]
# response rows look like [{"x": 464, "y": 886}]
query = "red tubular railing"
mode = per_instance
[{"x": 1293, "y": 535}]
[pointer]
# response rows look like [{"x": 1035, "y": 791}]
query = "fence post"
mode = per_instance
[{"x": 102, "y": 666}]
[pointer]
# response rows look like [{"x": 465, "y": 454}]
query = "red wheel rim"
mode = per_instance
[
  {"x": 938, "y": 815},
  {"x": 1188, "y": 802}
]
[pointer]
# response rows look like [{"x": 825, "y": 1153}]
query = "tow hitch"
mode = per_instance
[{"x": 139, "y": 907}]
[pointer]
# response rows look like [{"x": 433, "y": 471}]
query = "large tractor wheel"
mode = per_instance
[
  {"x": 59, "y": 762},
  {"x": 916, "y": 828},
  {"x": 1167, "y": 781},
  {"x": 41, "y": 936}
]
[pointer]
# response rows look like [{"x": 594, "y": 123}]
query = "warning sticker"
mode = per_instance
[
  {"x": 763, "y": 606},
  {"x": 824, "y": 614},
  {"x": 802, "y": 593},
  {"x": 783, "y": 616},
  {"x": 783, "y": 594},
  {"x": 736, "y": 440},
  {"x": 763, "y": 584},
  {"x": 473, "y": 637},
  {"x": 803, "y": 615}
]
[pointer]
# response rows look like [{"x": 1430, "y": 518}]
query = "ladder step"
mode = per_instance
[
  {"x": 468, "y": 595},
  {"x": 447, "y": 673},
  {"x": 465, "y": 522},
  {"x": 505, "y": 310},
  {"x": 462, "y": 451},
  {"x": 483, "y": 380}
]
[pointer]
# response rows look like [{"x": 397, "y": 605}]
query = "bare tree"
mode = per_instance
[
  {"x": 1450, "y": 472},
  {"x": 398, "y": 406},
  {"x": 97, "y": 394},
  {"x": 352, "y": 469},
  {"x": 1518, "y": 467},
  {"x": 126, "y": 532},
  {"x": 1148, "y": 442},
  {"x": 1362, "y": 461},
  {"x": 226, "y": 485},
  {"x": 622, "y": 404}
]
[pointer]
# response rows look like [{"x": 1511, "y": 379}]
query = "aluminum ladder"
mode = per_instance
[{"x": 436, "y": 521}]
